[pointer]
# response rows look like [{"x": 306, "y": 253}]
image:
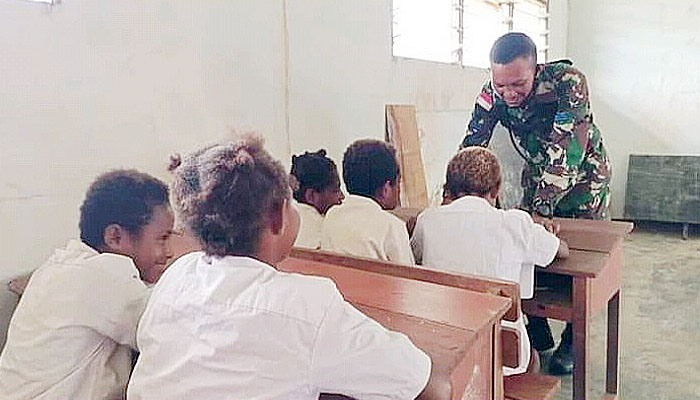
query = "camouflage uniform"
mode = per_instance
[{"x": 567, "y": 170}]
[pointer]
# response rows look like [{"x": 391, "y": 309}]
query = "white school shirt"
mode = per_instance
[
  {"x": 72, "y": 332},
  {"x": 236, "y": 328},
  {"x": 360, "y": 227},
  {"x": 470, "y": 235},
  {"x": 310, "y": 224}
]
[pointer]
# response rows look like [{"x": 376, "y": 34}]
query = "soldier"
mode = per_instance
[{"x": 546, "y": 110}]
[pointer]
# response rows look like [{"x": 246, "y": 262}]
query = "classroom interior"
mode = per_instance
[{"x": 88, "y": 86}]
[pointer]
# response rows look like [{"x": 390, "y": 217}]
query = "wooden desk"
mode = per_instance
[
  {"x": 463, "y": 346},
  {"x": 594, "y": 268}
]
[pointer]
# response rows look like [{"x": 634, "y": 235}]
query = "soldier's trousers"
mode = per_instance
[{"x": 574, "y": 205}]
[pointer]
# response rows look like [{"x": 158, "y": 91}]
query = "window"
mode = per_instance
[
  {"x": 425, "y": 29},
  {"x": 462, "y": 31}
]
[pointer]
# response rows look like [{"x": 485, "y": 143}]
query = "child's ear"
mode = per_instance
[
  {"x": 310, "y": 196},
  {"x": 114, "y": 237}
]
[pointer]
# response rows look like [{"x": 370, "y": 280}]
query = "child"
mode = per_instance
[
  {"x": 318, "y": 190},
  {"x": 75, "y": 325},
  {"x": 361, "y": 226},
  {"x": 224, "y": 323},
  {"x": 469, "y": 234}
]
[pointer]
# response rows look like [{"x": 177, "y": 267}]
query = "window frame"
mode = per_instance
[{"x": 459, "y": 7}]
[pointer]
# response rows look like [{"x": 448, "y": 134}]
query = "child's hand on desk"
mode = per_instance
[
  {"x": 563, "y": 251},
  {"x": 17, "y": 285}
]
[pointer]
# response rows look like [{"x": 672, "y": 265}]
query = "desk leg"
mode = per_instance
[
  {"x": 581, "y": 303},
  {"x": 611, "y": 378}
]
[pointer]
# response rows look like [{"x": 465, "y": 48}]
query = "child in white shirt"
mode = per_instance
[
  {"x": 361, "y": 226},
  {"x": 469, "y": 234},
  {"x": 317, "y": 189},
  {"x": 223, "y": 323},
  {"x": 74, "y": 328}
]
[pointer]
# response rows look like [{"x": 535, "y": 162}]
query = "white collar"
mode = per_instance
[
  {"x": 356, "y": 200},
  {"x": 471, "y": 203}
]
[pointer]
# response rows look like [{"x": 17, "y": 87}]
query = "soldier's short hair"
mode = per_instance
[
  {"x": 473, "y": 171},
  {"x": 511, "y": 46}
]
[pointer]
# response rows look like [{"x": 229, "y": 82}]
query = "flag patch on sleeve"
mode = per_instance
[{"x": 485, "y": 100}]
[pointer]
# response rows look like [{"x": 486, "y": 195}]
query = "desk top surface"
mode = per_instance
[
  {"x": 433, "y": 302},
  {"x": 579, "y": 263}
]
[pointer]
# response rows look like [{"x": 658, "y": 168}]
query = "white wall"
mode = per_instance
[
  {"x": 641, "y": 60},
  {"x": 87, "y": 86},
  {"x": 92, "y": 85}
]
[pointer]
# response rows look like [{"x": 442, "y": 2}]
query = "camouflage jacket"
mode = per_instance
[{"x": 554, "y": 132}]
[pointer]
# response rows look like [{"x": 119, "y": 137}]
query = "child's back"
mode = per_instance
[
  {"x": 470, "y": 235},
  {"x": 361, "y": 226}
]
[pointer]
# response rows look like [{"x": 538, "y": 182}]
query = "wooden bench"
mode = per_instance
[
  {"x": 526, "y": 386},
  {"x": 531, "y": 387}
]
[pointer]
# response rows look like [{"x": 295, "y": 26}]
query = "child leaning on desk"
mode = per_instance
[
  {"x": 469, "y": 234},
  {"x": 223, "y": 323}
]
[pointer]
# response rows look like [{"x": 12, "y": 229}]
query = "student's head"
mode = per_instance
[
  {"x": 370, "y": 169},
  {"x": 127, "y": 212},
  {"x": 513, "y": 66},
  {"x": 235, "y": 198},
  {"x": 318, "y": 181},
  {"x": 474, "y": 171}
]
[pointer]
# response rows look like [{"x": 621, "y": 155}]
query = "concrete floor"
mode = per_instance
[{"x": 660, "y": 319}]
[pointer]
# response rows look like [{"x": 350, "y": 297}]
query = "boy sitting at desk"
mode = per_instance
[
  {"x": 224, "y": 323},
  {"x": 469, "y": 234},
  {"x": 75, "y": 325},
  {"x": 361, "y": 226},
  {"x": 317, "y": 189}
]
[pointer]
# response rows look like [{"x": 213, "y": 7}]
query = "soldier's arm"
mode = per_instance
[
  {"x": 483, "y": 120},
  {"x": 567, "y": 145}
]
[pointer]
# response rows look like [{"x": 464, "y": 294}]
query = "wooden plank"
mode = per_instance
[
  {"x": 550, "y": 304},
  {"x": 531, "y": 387},
  {"x": 480, "y": 369},
  {"x": 607, "y": 282},
  {"x": 597, "y": 241},
  {"x": 457, "y": 307},
  {"x": 579, "y": 263},
  {"x": 581, "y": 329},
  {"x": 402, "y": 132},
  {"x": 590, "y": 225},
  {"x": 613, "y": 345},
  {"x": 442, "y": 277}
]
